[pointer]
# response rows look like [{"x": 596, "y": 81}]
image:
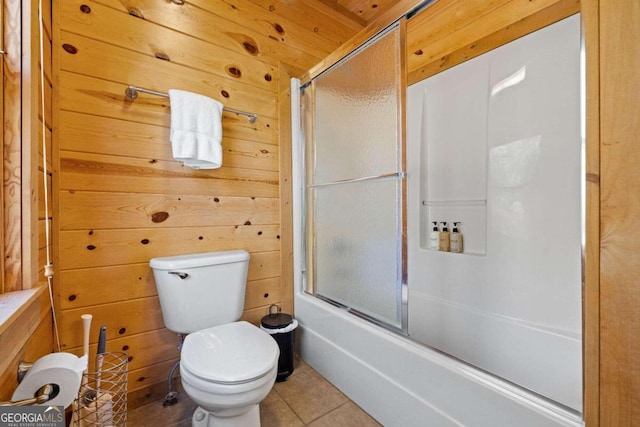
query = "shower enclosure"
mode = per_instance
[
  {"x": 494, "y": 144},
  {"x": 355, "y": 183}
]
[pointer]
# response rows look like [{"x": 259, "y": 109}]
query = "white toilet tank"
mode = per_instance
[{"x": 199, "y": 291}]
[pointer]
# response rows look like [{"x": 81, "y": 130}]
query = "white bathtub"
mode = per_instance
[{"x": 401, "y": 383}]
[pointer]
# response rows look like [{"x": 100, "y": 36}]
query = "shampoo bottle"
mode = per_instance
[
  {"x": 434, "y": 237},
  {"x": 445, "y": 242},
  {"x": 456, "y": 239}
]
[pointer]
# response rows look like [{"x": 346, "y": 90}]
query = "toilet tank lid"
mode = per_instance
[{"x": 198, "y": 260}]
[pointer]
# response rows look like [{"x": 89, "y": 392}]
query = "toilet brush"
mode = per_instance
[
  {"x": 95, "y": 406},
  {"x": 77, "y": 405}
]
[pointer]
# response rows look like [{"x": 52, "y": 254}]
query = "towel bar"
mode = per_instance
[{"x": 132, "y": 93}]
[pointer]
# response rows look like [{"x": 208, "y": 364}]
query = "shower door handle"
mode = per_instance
[{"x": 396, "y": 175}]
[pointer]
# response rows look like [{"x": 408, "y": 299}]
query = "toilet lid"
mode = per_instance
[{"x": 231, "y": 353}]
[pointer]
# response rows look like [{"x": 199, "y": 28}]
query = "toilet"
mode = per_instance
[{"x": 226, "y": 366}]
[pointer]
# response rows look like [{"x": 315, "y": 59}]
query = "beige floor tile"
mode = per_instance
[
  {"x": 309, "y": 395},
  {"x": 347, "y": 415},
  {"x": 305, "y": 398},
  {"x": 274, "y": 412}
]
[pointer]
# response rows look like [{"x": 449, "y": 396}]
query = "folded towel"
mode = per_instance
[{"x": 196, "y": 129}]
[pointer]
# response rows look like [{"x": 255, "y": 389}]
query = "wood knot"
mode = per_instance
[
  {"x": 268, "y": 77},
  {"x": 163, "y": 56},
  {"x": 122, "y": 331},
  {"x": 91, "y": 247},
  {"x": 69, "y": 48},
  {"x": 159, "y": 217},
  {"x": 247, "y": 223},
  {"x": 144, "y": 241},
  {"x": 72, "y": 297},
  {"x": 215, "y": 199},
  {"x": 85, "y": 8},
  {"x": 264, "y": 151},
  {"x": 279, "y": 29},
  {"x": 224, "y": 93},
  {"x": 592, "y": 177},
  {"x": 135, "y": 12},
  {"x": 251, "y": 47},
  {"x": 418, "y": 52},
  {"x": 234, "y": 72}
]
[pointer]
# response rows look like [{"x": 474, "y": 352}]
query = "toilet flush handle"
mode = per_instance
[{"x": 180, "y": 274}]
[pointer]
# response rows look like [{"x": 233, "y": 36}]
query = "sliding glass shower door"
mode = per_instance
[{"x": 355, "y": 184}]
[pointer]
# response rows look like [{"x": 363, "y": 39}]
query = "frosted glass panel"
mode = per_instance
[
  {"x": 356, "y": 120},
  {"x": 354, "y": 188},
  {"x": 356, "y": 246}
]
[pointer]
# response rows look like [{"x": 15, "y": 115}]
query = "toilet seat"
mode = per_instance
[{"x": 229, "y": 354}]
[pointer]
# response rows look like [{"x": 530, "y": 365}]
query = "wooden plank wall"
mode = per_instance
[
  {"x": 120, "y": 197},
  {"x": 12, "y": 142},
  {"x": 619, "y": 58},
  {"x": 450, "y": 32}
]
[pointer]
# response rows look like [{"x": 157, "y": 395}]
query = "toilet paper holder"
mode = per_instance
[
  {"x": 44, "y": 394},
  {"x": 23, "y": 368}
]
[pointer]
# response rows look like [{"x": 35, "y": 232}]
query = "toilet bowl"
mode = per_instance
[
  {"x": 227, "y": 370},
  {"x": 227, "y": 366}
]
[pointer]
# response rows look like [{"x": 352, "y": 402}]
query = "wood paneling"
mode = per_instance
[
  {"x": 448, "y": 33},
  {"x": 149, "y": 348},
  {"x": 286, "y": 194},
  {"x": 122, "y": 319},
  {"x": 591, "y": 314},
  {"x": 96, "y": 248},
  {"x": 96, "y": 210},
  {"x": 11, "y": 153},
  {"x": 619, "y": 57}
]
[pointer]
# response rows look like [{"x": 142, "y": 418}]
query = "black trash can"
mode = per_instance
[{"x": 280, "y": 326}]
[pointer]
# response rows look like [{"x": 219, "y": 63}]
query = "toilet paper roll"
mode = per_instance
[{"x": 61, "y": 369}]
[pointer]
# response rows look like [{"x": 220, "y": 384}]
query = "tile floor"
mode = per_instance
[{"x": 304, "y": 399}]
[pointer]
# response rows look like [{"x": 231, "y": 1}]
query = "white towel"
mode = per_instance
[{"x": 196, "y": 129}]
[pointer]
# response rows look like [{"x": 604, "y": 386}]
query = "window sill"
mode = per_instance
[{"x": 20, "y": 314}]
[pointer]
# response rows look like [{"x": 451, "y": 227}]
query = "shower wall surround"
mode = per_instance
[{"x": 495, "y": 143}]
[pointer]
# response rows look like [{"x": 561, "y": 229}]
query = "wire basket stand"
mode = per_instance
[{"x": 102, "y": 399}]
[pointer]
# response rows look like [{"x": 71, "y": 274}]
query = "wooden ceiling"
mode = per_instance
[{"x": 364, "y": 10}]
